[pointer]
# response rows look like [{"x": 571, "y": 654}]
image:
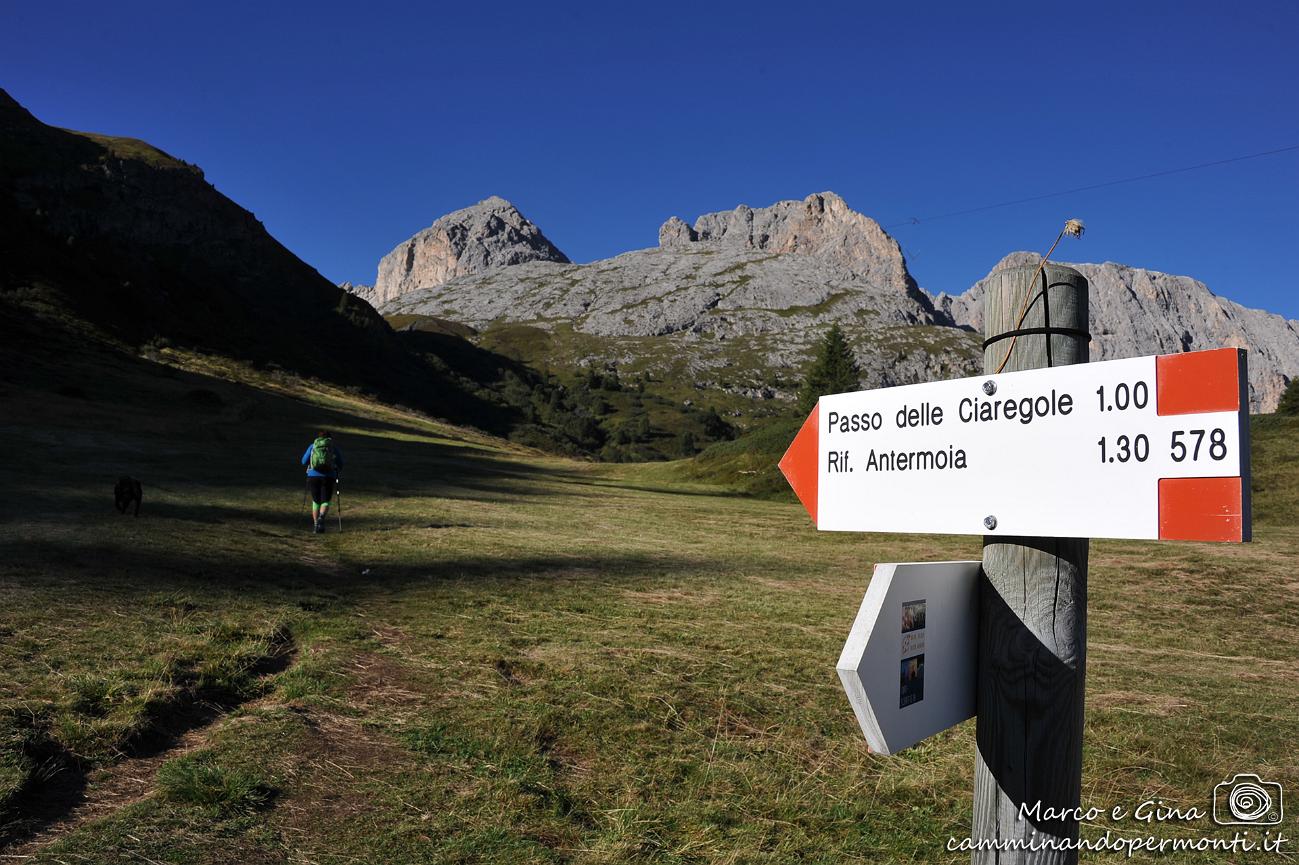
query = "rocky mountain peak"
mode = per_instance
[
  {"x": 676, "y": 233},
  {"x": 820, "y": 225},
  {"x": 491, "y": 233}
]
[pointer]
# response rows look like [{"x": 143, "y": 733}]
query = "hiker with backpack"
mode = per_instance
[{"x": 323, "y": 461}]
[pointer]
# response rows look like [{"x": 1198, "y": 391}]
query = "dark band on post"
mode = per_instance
[{"x": 1034, "y": 331}]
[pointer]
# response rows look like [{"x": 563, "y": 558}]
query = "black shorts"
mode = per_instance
[{"x": 322, "y": 489}]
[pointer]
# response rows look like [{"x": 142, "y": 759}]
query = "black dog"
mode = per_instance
[{"x": 128, "y": 490}]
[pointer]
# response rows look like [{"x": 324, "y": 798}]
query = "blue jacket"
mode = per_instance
[{"x": 312, "y": 473}]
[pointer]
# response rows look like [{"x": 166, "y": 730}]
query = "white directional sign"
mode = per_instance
[
  {"x": 909, "y": 663},
  {"x": 1150, "y": 447}
]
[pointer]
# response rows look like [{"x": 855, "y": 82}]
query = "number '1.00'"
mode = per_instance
[{"x": 1125, "y": 396}]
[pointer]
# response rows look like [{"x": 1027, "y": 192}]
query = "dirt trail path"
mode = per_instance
[
  {"x": 111, "y": 789},
  {"x": 133, "y": 779}
]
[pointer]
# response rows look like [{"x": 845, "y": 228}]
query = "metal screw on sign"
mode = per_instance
[
  {"x": 990, "y": 522},
  {"x": 990, "y": 387}
]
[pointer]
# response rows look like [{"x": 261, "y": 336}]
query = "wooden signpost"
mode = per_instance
[{"x": 1039, "y": 454}]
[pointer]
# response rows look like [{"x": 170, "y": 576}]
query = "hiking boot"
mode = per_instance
[{"x": 318, "y": 528}]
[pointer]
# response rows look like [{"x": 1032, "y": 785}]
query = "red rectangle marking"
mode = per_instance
[
  {"x": 1198, "y": 381},
  {"x": 1201, "y": 509}
]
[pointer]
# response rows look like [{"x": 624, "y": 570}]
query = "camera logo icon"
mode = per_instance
[{"x": 1248, "y": 800}]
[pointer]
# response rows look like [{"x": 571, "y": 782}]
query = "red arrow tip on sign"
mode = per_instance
[{"x": 799, "y": 463}]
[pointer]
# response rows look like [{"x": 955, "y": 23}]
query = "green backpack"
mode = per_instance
[{"x": 322, "y": 456}]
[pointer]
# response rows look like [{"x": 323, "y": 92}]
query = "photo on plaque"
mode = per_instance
[
  {"x": 913, "y": 615},
  {"x": 913, "y": 681}
]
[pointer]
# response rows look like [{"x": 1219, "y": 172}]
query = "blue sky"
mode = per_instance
[{"x": 348, "y": 127}]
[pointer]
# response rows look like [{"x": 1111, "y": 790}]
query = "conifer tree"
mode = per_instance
[
  {"x": 834, "y": 370},
  {"x": 1290, "y": 399}
]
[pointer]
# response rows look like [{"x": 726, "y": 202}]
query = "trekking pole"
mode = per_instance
[
  {"x": 338, "y": 494},
  {"x": 305, "y": 487}
]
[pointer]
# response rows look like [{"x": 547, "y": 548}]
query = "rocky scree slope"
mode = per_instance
[
  {"x": 735, "y": 301},
  {"x": 1135, "y": 312}
]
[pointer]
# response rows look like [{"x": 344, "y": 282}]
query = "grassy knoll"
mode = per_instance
[
  {"x": 512, "y": 658},
  {"x": 747, "y": 464}
]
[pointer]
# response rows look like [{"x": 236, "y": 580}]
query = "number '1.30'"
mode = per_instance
[{"x": 1125, "y": 448}]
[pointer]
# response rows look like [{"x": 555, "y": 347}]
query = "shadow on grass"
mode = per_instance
[
  {"x": 52, "y": 790},
  {"x": 71, "y": 433},
  {"x": 59, "y": 784},
  {"x": 199, "y": 496},
  {"x": 126, "y": 569},
  {"x": 210, "y": 451},
  {"x": 664, "y": 490}
]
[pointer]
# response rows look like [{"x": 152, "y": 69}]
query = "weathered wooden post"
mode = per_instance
[{"x": 1032, "y": 605}]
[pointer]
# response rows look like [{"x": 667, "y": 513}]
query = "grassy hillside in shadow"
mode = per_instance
[{"x": 118, "y": 234}]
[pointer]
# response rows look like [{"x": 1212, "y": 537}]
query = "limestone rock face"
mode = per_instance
[
  {"x": 1136, "y": 312},
  {"x": 675, "y": 233},
  {"x": 491, "y": 233},
  {"x": 821, "y": 225},
  {"x": 738, "y": 301}
]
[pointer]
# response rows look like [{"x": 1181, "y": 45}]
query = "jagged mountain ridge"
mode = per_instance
[
  {"x": 1135, "y": 312},
  {"x": 821, "y": 226},
  {"x": 752, "y": 287},
  {"x": 760, "y": 285}
]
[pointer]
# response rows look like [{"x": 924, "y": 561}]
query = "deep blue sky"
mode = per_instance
[{"x": 346, "y": 127}]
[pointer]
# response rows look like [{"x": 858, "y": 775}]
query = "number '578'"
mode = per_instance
[{"x": 1187, "y": 444}]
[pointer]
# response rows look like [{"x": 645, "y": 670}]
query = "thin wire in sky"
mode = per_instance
[{"x": 918, "y": 221}]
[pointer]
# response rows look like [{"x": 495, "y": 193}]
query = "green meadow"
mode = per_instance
[{"x": 507, "y": 657}]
